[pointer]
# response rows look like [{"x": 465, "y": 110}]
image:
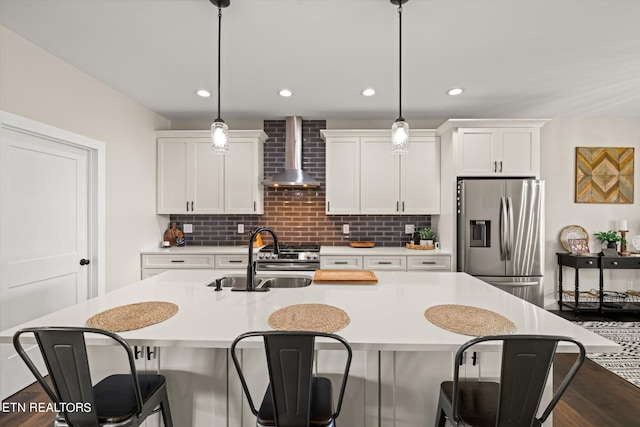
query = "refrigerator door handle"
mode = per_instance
[
  {"x": 503, "y": 228},
  {"x": 510, "y": 230}
]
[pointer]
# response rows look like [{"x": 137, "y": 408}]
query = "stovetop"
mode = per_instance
[{"x": 292, "y": 248}]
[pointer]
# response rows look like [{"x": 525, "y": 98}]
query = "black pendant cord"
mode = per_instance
[
  {"x": 219, "y": 36},
  {"x": 400, "y": 64}
]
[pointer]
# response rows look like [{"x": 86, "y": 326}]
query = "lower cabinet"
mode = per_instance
[
  {"x": 153, "y": 264},
  {"x": 388, "y": 388},
  {"x": 349, "y": 262},
  {"x": 429, "y": 262},
  {"x": 441, "y": 262}
]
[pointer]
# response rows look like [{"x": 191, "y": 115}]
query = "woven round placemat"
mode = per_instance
[
  {"x": 309, "y": 317},
  {"x": 468, "y": 320},
  {"x": 133, "y": 316}
]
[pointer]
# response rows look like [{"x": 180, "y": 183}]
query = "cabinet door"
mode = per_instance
[
  {"x": 343, "y": 175},
  {"x": 477, "y": 152},
  {"x": 519, "y": 152},
  {"x": 420, "y": 177},
  {"x": 172, "y": 184},
  {"x": 241, "y": 173},
  {"x": 379, "y": 177},
  {"x": 208, "y": 179}
]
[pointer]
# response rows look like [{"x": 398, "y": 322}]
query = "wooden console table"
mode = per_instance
[{"x": 600, "y": 300}]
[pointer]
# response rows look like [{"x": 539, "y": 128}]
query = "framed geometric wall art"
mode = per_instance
[{"x": 604, "y": 174}]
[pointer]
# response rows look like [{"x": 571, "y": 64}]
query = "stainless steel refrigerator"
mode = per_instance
[{"x": 501, "y": 234}]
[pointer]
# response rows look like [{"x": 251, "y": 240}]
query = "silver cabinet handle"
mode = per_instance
[
  {"x": 495, "y": 166},
  {"x": 187, "y": 206},
  {"x": 328, "y": 206},
  {"x": 590, "y": 262},
  {"x": 192, "y": 206},
  {"x": 500, "y": 166},
  {"x": 402, "y": 206},
  {"x": 235, "y": 261},
  {"x": 177, "y": 260},
  {"x": 397, "y": 206},
  {"x": 384, "y": 262},
  {"x": 340, "y": 262},
  {"x": 254, "y": 205},
  {"x": 429, "y": 262},
  {"x": 615, "y": 263}
]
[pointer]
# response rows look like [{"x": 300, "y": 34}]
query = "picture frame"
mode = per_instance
[{"x": 578, "y": 246}]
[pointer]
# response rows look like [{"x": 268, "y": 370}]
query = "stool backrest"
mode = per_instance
[
  {"x": 65, "y": 356},
  {"x": 526, "y": 363},
  {"x": 290, "y": 357}
]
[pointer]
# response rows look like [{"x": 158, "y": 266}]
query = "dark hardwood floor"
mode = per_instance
[{"x": 596, "y": 397}]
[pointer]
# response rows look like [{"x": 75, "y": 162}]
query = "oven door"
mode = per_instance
[{"x": 287, "y": 266}]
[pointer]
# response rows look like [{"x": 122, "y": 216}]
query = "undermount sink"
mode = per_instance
[{"x": 240, "y": 281}]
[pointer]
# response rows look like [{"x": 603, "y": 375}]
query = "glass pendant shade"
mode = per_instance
[
  {"x": 399, "y": 137},
  {"x": 219, "y": 137}
]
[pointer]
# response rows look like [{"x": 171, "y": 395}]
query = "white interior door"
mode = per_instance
[{"x": 44, "y": 215}]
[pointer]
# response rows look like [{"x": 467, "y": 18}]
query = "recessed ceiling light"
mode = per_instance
[
  {"x": 285, "y": 92},
  {"x": 203, "y": 93},
  {"x": 455, "y": 91},
  {"x": 369, "y": 92}
]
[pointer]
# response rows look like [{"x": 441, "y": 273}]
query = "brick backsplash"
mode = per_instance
[{"x": 298, "y": 215}]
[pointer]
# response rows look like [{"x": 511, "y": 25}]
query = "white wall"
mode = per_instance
[
  {"x": 559, "y": 138},
  {"x": 39, "y": 86}
]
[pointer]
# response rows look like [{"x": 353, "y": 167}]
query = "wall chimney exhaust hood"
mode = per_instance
[{"x": 292, "y": 175}]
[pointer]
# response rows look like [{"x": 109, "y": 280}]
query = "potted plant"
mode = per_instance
[
  {"x": 427, "y": 235},
  {"x": 610, "y": 237}
]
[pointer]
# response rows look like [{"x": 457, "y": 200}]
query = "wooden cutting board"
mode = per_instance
[{"x": 345, "y": 276}]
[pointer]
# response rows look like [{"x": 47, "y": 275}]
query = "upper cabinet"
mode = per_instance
[
  {"x": 191, "y": 179},
  {"x": 364, "y": 177},
  {"x": 494, "y": 148},
  {"x": 495, "y": 151}
]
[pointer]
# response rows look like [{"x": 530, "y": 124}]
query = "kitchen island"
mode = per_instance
[{"x": 399, "y": 357}]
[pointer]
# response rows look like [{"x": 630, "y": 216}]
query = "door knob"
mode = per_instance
[{"x": 84, "y": 261}]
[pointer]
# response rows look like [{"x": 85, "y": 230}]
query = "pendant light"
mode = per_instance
[
  {"x": 400, "y": 128},
  {"x": 219, "y": 129}
]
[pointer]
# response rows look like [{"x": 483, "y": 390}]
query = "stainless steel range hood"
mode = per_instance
[{"x": 292, "y": 175}]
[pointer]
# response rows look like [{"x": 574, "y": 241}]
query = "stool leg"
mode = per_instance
[{"x": 166, "y": 410}]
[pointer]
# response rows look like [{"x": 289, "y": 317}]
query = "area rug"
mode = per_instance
[{"x": 627, "y": 363}]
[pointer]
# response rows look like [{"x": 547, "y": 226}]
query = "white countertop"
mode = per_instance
[
  {"x": 324, "y": 250},
  {"x": 386, "y": 316},
  {"x": 199, "y": 250}
]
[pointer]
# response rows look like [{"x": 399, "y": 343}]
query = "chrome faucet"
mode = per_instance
[{"x": 251, "y": 266}]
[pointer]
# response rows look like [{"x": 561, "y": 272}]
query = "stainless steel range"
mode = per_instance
[{"x": 303, "y": 257}]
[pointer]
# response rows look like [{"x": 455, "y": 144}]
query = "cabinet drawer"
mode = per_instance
[
  {"x": 341, "y": 262},
  {"x": 441, "y": 263},
  {"x": 149, "y": 272},
  {"x": 586, "y": 262},
  {"x": 231, "y": 261},
  {"x": 385, "y": 263},
  {"x": 622, "y": 262},
  {"x": 177, "y": 261}
]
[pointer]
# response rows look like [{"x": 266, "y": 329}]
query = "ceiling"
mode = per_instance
[{"x": 515, "y": 58}]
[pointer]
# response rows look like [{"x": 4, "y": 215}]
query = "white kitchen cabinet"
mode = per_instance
[
  {"x": 191, "y": 179},
  {"x": 156, "y": 264},
  {"x": 389, "y": 262},
  {"x": 364, "y": 177},
  {"x": 341, "y": 262},
  {"x": 429, "y": 262},
  {"x": 379, "y": 177},
  {"x": 498, "y": 152},
  {"x": 343, "y": 175},
  {"x": 224, "y": 262}
]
